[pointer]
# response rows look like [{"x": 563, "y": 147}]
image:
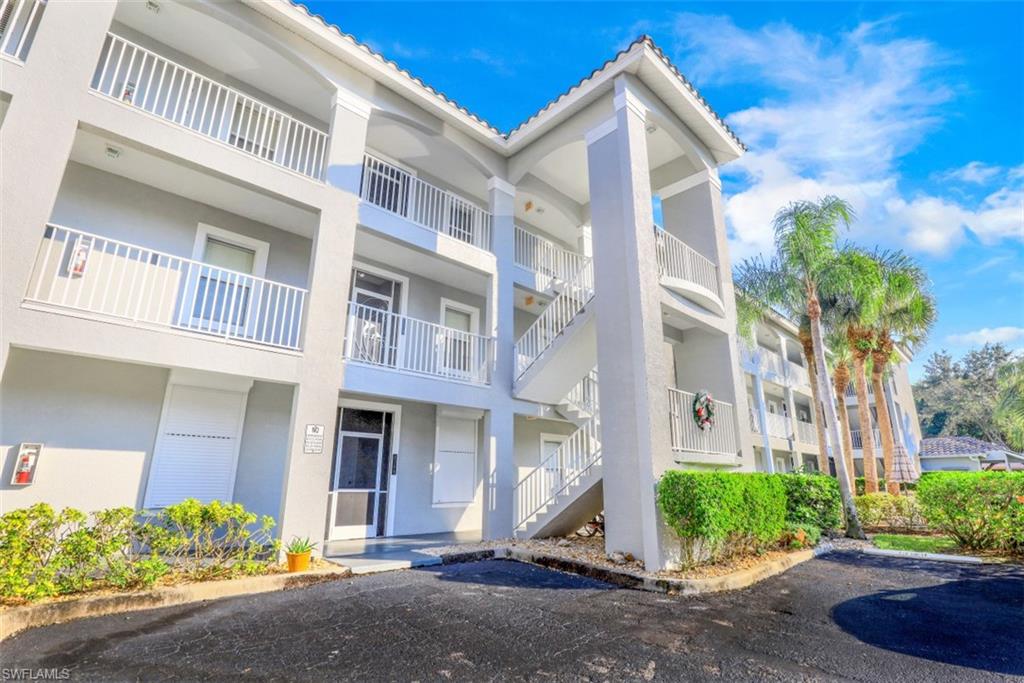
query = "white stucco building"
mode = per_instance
[{"x": 247, "y": 258}]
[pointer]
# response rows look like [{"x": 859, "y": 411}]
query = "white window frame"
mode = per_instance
[
  {"x": 476, "y": 456},
  {"x": 260, "y": 249},
  {"x": 382, "y": 272},
  {"x": 396, "y": 434},
  {"x": 472, "y": 311},
  {"x": 545, "y": 436}
]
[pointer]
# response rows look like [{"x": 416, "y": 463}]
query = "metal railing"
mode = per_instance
[
  {"x": 577, "y": 454},
  {"x": 858, "y": 439},
  {"x": 851, "y": 391},
  {"x": 678, "y": 260},
  {"x": 576, "y": 293},
  {"x": 806, "y": 432},
  {"x": 80, "y": 271},
  {"x": 778, "y": 425},
  {"x": 396, "y": 190},
  {"x": 771, "y": 362},
  {"x": 797, "y": 374},
  {"x": 143, "y": 79},
  {"x": 584, "y": 396},
  {"x": 544, "y": 257},
  {"x": 379, "y": 337},
  {"x": 720, "y": 439},
  {"x": 19, "y": 21}
]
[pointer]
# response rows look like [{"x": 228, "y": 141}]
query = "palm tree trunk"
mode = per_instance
[
  {"x": 867, "y": 434},
  {"x": 841, "y": 379},
  {"x": 884, "y": 422},
  {"x": 853, "y": 527},
  {"x": 819, "y": 417}
]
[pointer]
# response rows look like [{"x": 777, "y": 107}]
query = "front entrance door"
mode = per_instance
[{"x": 360, "y": 474}]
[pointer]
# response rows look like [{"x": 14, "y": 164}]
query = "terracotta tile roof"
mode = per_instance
[
  {"x": 643, "y": 39},
  {"x": 957, "y": 445}
]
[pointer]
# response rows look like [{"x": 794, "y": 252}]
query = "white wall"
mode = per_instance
[
  {"x": 97, "y": 421},
  {"x": 261, "y": 456},
  {"x": 115, "y": 207}
]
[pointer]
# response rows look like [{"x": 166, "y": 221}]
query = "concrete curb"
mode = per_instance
[
  {"x": 16, "y": 619},
  {"x": 627, "y": 579},
  {"x": 936, "y": 557}
]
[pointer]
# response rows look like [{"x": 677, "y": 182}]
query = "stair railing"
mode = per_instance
[{"x": 583, "y": 397}]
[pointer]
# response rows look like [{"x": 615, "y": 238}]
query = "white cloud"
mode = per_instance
[
  {"x": 975, "y": 172},
  {"x": 988, "y": 335},
  {"x": 838, "y": 116}
]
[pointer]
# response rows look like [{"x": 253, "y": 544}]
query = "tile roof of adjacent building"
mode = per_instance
[
  {"x": 643, "y": 39},
  {"x": 957, "y": 445}
]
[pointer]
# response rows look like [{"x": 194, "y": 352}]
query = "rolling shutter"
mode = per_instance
[
  {"x": 197, "y": 448},
  {"x": 455, "y": 460}
]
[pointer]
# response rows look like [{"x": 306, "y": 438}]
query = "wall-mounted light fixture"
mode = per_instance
[
  {"x": 152, "y": 7},
  {"x": 113, "y": 152}
]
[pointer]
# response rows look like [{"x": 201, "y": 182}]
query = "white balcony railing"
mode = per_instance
[
  {"x": 755, "y": 424},
  {"x": 544, "y": 257},
  {"x": 19, "y": 20},
  {"x": 858, "y": 438},
  {"x": 143, "y": 79},
  {"x": 851, "y": 391},
  {"x": 797, "y": 374},
  {"x": 771, "y": 363},
  {"x": 79, "y": 271},
  {"x": 576, "y": 293},
  {"x": 778, "y": 425},
  {"x": 676, "y": 259},
  {"x": 806, "y": 432},
  {"x": 378, "y": 337},
  {"x": 720, "y": 439},
  {"x": 396, "y": 190},
  {"x": 584, "y": 396},
  {"x": 577, "y": 454}
]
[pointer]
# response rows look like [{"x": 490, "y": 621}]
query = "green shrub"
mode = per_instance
[
  {"x": 813, "y": 500},
  {"x": 796, "y": 536},
  {"x": 979, "y": 510},
  {"x": 882, "y": 511},
  {"x": 718, "y": 514}
]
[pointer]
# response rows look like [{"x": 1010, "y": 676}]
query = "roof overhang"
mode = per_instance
[{"x": 643, "y": 59}]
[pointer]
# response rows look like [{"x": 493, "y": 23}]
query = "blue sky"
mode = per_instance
[{"x": 913, "y": 112}]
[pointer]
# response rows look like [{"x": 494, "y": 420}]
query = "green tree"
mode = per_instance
[{"x": 1009, "y": 413}]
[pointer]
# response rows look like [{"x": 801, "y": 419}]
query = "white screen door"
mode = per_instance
[
  {"x": 360, "y": 476},
  {"x": 217, "y": 293},
  {"x": 456, "y": 346}
]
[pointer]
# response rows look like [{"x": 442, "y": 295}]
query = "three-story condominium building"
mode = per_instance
[
  {"x": 247, "y": 258},
  {"x": 783, "y": 422}
]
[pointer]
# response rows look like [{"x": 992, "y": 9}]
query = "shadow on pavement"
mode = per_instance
[
  {"x": 512, "y": 574},
  {"x": 975, "y": 622}
]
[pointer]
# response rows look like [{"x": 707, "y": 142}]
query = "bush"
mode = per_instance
[
  {"x": 813, "y": 500},
  {"x": 44, "y": 553},
  {"x": 979, "y": 510},
  {"x": 719, "y": 514},
  {"x": 882, "y": 511},
  {"x": 796, "y": 536}
]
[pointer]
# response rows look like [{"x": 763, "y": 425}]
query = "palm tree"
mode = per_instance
[
  {"x": 840, "y": 359},
  {"x": 907, "y": 313},
  {"x": 807, "y": 255},
  {"x": 1009, "y": 413}
]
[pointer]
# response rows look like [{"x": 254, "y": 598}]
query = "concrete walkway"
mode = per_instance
[{"x": 372, "y": 555}]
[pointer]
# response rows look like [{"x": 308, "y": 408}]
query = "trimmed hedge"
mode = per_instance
[
  {"x": 884, "y": 512},
  {"x": 813, "y": 500},
  {"x": 718, "y": 514},
  {"x": 979, "y": 510}
]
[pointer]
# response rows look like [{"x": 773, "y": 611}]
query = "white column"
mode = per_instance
[
  {"x": 500, "y": 479},
  {"x": 633, "y": 366},
  {"x": 762, "y": 416},
  {"x": 304, "y": 493}
]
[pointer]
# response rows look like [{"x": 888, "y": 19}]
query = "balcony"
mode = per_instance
[
  {"x": 380, "y": 338},
  {"x": 778, "y": 425},
  {"x": 797, "y": 375},
  {"x": 544, "y": 257},
  {"x": 858, "y": 438},
  {"x": 144, "y": 80},
  {"x": 687, "y": 437},
  {"x": 19, "y": 21},
  {"x": 851, "y": 391},
  {"x": 682, "y": 269},
  {"x": 806, "y": 432},
  {"x": 400, "y": 192},
  {"x": 76, "y": 271}
]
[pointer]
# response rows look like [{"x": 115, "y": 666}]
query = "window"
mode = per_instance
[
  {"x": 218, "y": 294},
  {"x": 457, "y": 344},
  {"x": 254, "y": 129},
  {"x": 455, "y": 461}
]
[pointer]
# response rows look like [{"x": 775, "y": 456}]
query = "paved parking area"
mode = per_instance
[{"x": 843, "y": 616}]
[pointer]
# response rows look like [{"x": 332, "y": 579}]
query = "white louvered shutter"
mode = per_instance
[{"x": 455, "y": 460}]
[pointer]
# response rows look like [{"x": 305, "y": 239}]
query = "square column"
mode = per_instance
[
  {"x": 501, "y": 475},
  {"x": 762, "y": 417},
  {"x": 307, "y": 475},
  {"x": 630, "y": 341}
]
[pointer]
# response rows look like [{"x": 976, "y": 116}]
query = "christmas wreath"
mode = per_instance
[{"x": 704, "y": 410}]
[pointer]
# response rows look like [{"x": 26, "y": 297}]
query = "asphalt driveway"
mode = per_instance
[{"x": 840, "y": 616}]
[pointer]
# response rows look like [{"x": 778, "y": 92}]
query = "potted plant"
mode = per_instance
[{"x": 298, "y": 551}]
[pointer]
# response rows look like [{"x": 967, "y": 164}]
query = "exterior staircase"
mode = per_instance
[{"x": 562, "y": 493}]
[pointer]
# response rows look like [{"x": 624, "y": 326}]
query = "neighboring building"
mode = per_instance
[
  {"x": 967, "y": 454},
  {"x": 781, "y": 418},
  {"x": 247, "y": 258}
]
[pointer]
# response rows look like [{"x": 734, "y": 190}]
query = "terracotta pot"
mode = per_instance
[{"x": 298, "y": 562}]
